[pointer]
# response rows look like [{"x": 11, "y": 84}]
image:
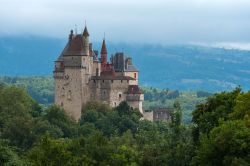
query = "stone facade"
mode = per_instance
[
  {"x": 81, "y": 76},
  {"x": 158, "y": 114}
]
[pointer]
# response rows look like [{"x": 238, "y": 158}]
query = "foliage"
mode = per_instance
[
  {"x": 34, "y": 135},
  {"x": 227, "y": 144},
  {"x": 203, "y": 94},
  {"x": 207, "y": 115},
  {"x": 40, "y": 88},
  {"x": 187, "y": 100},
  {"x": 222, "y": 130}
]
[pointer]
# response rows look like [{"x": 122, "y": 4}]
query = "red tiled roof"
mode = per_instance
[
  {"x": 104, "y": 48},
  {"x": 76, "y": 44}
]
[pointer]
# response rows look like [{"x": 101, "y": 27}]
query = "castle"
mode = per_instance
[{"x": 81, "y": 76}]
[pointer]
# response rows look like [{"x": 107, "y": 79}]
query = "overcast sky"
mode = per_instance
[{"x": 151, "y": 21}]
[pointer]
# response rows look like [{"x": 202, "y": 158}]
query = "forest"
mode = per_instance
[{"x": 33, "y": 134}]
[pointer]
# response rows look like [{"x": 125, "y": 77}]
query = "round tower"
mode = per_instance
[{"x": 85, "y": 37}]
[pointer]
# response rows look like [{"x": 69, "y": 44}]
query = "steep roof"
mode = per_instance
[
  {"x": 104, "y": 48},
  {"x": 74, "y": 46},
  {"x": 131, "y": 68},
  {"x": 85, "y": 32}
]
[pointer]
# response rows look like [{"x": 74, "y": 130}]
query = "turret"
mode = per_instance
[
  {"x": 104, "y": 53},
  {"x": 85, "y": 37}
]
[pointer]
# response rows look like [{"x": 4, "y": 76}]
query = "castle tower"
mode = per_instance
[
  {"x": 72, "y": 74},
  {"x": 85, "y": 37},
  {"x": 104, "y": 54}
]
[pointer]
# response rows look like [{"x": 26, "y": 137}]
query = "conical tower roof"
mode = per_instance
[
  {"x": 104, "y": 48},
  {"x": 85, "y": 32}
]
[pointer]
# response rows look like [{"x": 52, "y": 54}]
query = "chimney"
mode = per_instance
[{"x": 71, "y": 35}]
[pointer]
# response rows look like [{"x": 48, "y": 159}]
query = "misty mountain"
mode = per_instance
[{"x": 182, "y": 67}]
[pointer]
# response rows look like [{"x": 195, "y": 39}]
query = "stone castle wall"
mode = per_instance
[{"x": 68, "y": 92}]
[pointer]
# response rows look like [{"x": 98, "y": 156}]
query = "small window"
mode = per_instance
[
  {"x": 120, "y": 96},
  {"x": 102, "y": 81},
  {"x": 115, "y": 104},
  {"x": 94, "y": 81},
  {"x": 112, "y": 81},
  {"x": 121, "y": 81},
  {"x": 134, "y": 75},
  {"x": 61, "y": 103},
  {"x": 69, "y": 95}
]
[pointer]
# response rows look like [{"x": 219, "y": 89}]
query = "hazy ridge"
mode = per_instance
[{"x": 182, "y": 67}]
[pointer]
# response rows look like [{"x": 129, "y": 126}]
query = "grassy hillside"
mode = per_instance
[
  {"x": 40, "y": 88},
  {"x": 154, "y": 98}
]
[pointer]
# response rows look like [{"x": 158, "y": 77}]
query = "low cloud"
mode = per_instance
[{"x": 152, "y": 21}]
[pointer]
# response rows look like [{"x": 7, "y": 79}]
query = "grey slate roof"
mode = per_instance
[
  {"x": 60, "y": 58},
  {"x": 131, "y": 68}
]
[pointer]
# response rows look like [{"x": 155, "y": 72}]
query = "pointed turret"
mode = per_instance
[
  {"x": 85, "y": 32},
  {"x": 104, "y": 52},
  {"x": 104, "y": 48},
  {"x": 85, "y": 37}
]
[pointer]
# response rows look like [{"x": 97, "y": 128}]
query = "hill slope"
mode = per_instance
[{"x": 176, "y": 67}]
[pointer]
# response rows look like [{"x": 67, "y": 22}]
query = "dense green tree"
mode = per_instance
[
  {"x": 9, "y": 155},
  {"x": 207, "y": 115},
  {"x": 15, "y": 102},
  {"x": 159, "y": 144},
  {"x": 242, "y": 106},
  {"x": 57, "y": 117},
  {"x": 55, "y": 152},
  {"x": 227, "y": 144}
]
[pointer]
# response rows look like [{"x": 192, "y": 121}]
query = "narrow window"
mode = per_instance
[{"x": 134, "y": 75}]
